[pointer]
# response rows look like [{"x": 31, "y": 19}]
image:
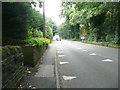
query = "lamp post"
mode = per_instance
[{"x": 44, "y": 33}]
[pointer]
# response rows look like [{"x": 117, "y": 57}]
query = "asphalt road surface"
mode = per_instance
[{"x": 83, "y": 65}]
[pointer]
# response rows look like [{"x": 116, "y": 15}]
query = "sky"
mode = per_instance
[{"x": 52, "y": 10}]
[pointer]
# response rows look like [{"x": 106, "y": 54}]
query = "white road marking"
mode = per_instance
[
  {"x": 33, "y": 87},
  {"x": 61, "y": 55},
  {"x": 84, "y": 50},
  {"x": 69, "y": 77},
  {"x": 92, "y": 54},
  {"x": 80, "y": 48},
  {"x": 64, "y": 62},
  {"x": 107, "y": 60},
  {"x": 30, "y": 86},
  {"x": 29, "y": 72},
  {"x": 60, "y": 52}
]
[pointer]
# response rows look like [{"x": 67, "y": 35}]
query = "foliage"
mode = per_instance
[
  {"x": 49, "y": 33},
  {"x": 99, "y": 18},
  {"x": 21, "y": 21},
  {"x": 37, "y": 33},
  {"x": 8, "y": 47},
  {"x": 0, "y": 48},
  {"x": 14, "y": 19},
  {"x": 19, "y": 18},
  {"x": 38, "y": 41},
  {"x": 51, "y": 25}
]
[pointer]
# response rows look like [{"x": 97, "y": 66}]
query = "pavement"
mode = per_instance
[
  {"x": 43, "y": 74},
  {"x": 72, "y": 64}
]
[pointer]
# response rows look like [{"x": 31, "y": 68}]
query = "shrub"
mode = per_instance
[
  {"x": 38, "y": 41},
  {"x": 30, "y": 34},
  {"x": 37, "y": 33}
]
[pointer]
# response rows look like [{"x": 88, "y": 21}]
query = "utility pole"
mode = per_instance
[{"x": 44, "y": 33}]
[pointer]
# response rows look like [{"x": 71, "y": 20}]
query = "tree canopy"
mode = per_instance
[
  {"x": 100, "y": 20},
  {"x": 21, "y": 21}
]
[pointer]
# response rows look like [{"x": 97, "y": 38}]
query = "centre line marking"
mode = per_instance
[
  {"x": 92, "y": 54},
  {"x": 69, "y": 77},
  {"x": 61, "y": 55},
  {"x": 60, "y": 52},
  {"x": 107, "y": 60},
  {"x": 80, "y": 48},
  {"x": 84, "y": 50},
  {"x": 63, "y": 63}
]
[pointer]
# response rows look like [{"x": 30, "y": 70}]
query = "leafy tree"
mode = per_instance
[
  {"x": 99, "y": 18},
  {"x": 51, "y": 24},
  {"x": 14, "y": 19}
]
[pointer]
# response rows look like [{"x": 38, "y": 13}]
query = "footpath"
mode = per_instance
[{"x": 43, "y": 75}]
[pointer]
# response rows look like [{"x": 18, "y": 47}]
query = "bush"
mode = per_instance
[
  {"x": 37, "y": 33},
  {"x": 49, "y": 32},
  {"x": 14, "y": 20},
  {"x": 30, "y": 34},
  {"x": 38, "y": 41},
  {"x": 114, "y": 45}
]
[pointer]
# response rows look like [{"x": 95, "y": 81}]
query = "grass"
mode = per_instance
[{"x": 107, "y": 44}]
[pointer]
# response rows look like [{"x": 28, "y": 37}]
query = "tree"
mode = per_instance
[
  {"x": 14, "y": 20},
  {"x": 99, "y": 18},
  {"x": 51, "y": 24}
]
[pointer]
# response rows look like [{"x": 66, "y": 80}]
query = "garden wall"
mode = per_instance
[
  {"x": 13, "y": 69},
  {"x": 32, "y": 54},
  {"x": 15, "y": 60}
]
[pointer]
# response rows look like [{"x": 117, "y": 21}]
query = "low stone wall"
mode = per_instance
[
  {"x": 16, "y": 60},
  {"x": 12, "y": 66},
  {"x": 32, "y": 54}
]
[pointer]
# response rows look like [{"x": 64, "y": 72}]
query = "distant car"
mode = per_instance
[
  {"x": 57, "y": 38},
  {"x": 60, "y": 38}
]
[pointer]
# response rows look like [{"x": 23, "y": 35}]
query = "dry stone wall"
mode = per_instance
[{"x": 13, "y": 69}]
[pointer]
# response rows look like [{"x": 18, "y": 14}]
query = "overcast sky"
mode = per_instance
[{"x": 52, "y": 10}]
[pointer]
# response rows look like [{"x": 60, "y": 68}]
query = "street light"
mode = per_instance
[{"x": 40, "y": 4}]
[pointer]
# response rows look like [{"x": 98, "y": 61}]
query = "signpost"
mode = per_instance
[{"x": 84, "y": 32}]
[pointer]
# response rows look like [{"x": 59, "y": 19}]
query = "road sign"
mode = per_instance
[
  {"x": 84, "y": 32},
  {"x": 82, "y": 37}
]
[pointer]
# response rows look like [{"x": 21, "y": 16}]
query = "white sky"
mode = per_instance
[{"x": 52, "y": 10}]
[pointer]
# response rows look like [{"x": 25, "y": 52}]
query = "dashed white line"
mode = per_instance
[
  {"x": 79, "y": 48},
  {"x": 60, "y": 52},
  {"x": 58, "y": 49},
  {"x": 69, "y": 77},
  {"x": 84, "y": 50},
  {"x": 92, "y": 54},
  {"x": 107, "y": 60},
  {"x": 61, "y": 55},
  {"x": 63, "y": 63}
]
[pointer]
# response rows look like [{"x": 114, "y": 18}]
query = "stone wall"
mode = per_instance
[
  {"x": 32, "y": 54},
  {"x": 13, "y": 69},
  {"x": 16, "y": 60}
]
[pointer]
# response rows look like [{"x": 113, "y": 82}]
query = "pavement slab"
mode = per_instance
[{"x": 43, "y": 74}]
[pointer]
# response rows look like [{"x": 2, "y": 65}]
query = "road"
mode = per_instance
[{"x": 83, "y": 65}]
